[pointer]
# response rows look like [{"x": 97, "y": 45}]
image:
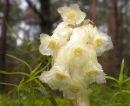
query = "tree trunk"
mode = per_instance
[
  {"x": 46, "y": 21},
  {"x": 3, "y": 43},
  {"x": 113, "y": 32}
]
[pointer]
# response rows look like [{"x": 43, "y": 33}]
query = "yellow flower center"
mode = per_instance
[
  {"x": 78, "y": 51},
  {"x": 71, "y": 14},
  {"x": 99, "y": 42},
  {"x": 74, "y": 89},
  {"x": 52, "y": 44},
  {"x": 60, "y": 76},
  {"x": 92, "y": 73}
]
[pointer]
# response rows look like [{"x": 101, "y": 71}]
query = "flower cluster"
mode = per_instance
[{"x": 74, "y": 46}]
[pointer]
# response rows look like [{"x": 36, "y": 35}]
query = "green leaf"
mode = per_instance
[
  {"x": 22, "y": 82},
  {"x": 16, "y": 35},
  {"x": 17, "y": 67},
  {"x": 36, "y": 68},
  {"x": 29, "y": 80},
  {"x": 34, "y": 42},
  {"x": 8, "y": 84},
  {"x": 24, "y": 51},
  {"x": 126, "y": 91},
  {"x": 111, "y": 78},
  {"x": 39, "y": 83},
  {"x": 10, "y": 73},
  {"x": 43, "y": 91},
  {"x": 53, "y": 101},
  {"x": 43, "y": 68},
  {"x": 34, "y": 49},
  {"x": 38, "y": 59},
  {"x": 20, "y": 61},
  {"x": 114, "y": 96},
  {"x": 46, "y": 94},
  {"x": 128, "y": 79},
  {"x": 11, "y": 91},
  {"x": 11, "y": 30},
  {"x": 121, "y": 73}
]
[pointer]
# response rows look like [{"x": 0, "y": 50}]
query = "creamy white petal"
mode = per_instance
[
  {"x": 83, "y": 100},
  {"x": 63, "y": 33},
  {"x": 92, "y": 30},
  {"x": 61, "y": 26},
  {"x": 44, "y": 46},
  {"x": 79, "y": 53},
  {"x": 94, "y": 73},
  {"x": 80, "y": 35},
  {"x": 61, "y": 57},
  {"x": 50, "y": 45},
  {"x": 56, "y": 78},
  {"x": 72, "y": 14},
  {"x": 99, "y": 40},
  {"x": 75, "y": 87},
  {"x": 106, "y": 44}
]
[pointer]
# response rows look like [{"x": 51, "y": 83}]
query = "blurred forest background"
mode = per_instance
[{"x": 29, "y": 18}]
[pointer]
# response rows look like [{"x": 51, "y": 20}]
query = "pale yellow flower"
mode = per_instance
[
  {"x": 94, "y": 73},
  {"x": 80, "y": 35},
  {"x": 50, "y": 45},
  {"x": 74, "y": 46},
  {"x": 74, "y": 88},
  {"x": 103, "y": 43},
  {"x": 99, "y": 40},
  {"x": 60, "y": 58},
  {"x": 56, "y": 78},
  {"x": 72, "y": 14},
  {"x": 63, "y": 30},
  {"x": 78, "y": 53},
  {"x": 92, "y": 30}
]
